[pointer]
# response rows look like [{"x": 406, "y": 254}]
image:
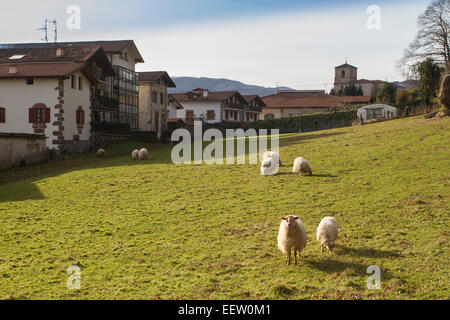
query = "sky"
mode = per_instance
[{"x": 293, "y": 43}]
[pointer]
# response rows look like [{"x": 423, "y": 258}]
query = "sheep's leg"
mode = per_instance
[
  {"x": 289, "y": 257},
  {"x": 295, "y": 256},
  {"x": 321, "y": 249}
]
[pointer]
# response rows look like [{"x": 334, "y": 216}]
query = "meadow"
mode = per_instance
[{"x": 155, "y": 230}]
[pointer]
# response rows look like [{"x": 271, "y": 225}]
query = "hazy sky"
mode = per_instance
[{"x": 297, "y": 43}]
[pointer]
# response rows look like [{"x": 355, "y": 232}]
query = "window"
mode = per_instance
[
  {"x": 74, "y": 82},
  {"x": 2, "y": 115},
  {"x": 269, "y": 117},
  {"x": 80, "y": 83},
  {"x": 210, "y": 115},
  {"x": 155, "y": 97},
  {"x": 30, "y": 82},
  {"x": 343, "y": 74},
  {"x": 39, "y": 114},
  {"x": 162, "y": 98},
  {"x": 189, "y": 115},
  {"x": 80, "y": 116}
]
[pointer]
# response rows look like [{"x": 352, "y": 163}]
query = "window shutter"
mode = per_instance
[
  {"x": 32, "y": 115},
  {"x": 82, "y": 117},
  {"x": 2, "y": 115},
  {"x": 47, "y": 115}
]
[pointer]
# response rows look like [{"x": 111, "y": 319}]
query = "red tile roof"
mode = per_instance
[
  {"x": 41, "y": 70},
  {"x": 155, "y": 76},
  {"x": 44, "y": 62},
  {"x": 114, "y": 46},
  {"x": 315, "y": 101},
  {"x": 212, "y": 96}
]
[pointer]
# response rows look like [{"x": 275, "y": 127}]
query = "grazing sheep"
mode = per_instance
[
  {"x": 101, "y": 152},
  {"x": 143, "y": 154},
  {"x": 292, "y": 235},
  {"x": 275, "y": 156},
  {"x": 327, "y": 233},
  {"x": 268, "y": 167},
  {"x": 135, "y": 155},
  {"x": 302, "y": 166}
]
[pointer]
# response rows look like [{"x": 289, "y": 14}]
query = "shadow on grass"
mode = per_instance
[
  {"x": 366, "y": 252},
  {"x": 327, "y": 264},
  {"x": 289, "y": 140}
]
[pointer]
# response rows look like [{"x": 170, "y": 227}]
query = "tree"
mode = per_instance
[
  {"x": 351, "y": 90},
  {"x": 387, "y": 94},
  {"x": 403, "y": 99},
  {"x": 444, "y": 97},
  {"x": 429, "y": 80},
  {"x": 432, "y": 40}
]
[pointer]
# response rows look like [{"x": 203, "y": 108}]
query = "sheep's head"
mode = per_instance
[
  {"x": 329, "y": 245},
  {"x": 290, "y": 220}
]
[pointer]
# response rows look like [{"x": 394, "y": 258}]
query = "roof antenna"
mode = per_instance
[
  {"x": 45, "y": 29},
  {"x": 55, "y": 29}
]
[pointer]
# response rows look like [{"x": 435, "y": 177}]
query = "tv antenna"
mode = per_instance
[
  {"x": 45, "y": 29},
  {"x": 55, "y": 29}
]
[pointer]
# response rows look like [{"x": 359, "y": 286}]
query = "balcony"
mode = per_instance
[
  {"x": 106, "y": 102},
  {"x": 113, "y": 128}
]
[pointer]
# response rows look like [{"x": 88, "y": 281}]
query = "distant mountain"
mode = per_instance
[{"x": 185, "y": 84}]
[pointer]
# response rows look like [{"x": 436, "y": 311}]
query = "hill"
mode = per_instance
[
  {"x": 155, "y": 230},
  {"x": 185, "y": 84}
]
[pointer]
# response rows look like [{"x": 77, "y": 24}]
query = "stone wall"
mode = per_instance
[{"x": 17, "y": 150}]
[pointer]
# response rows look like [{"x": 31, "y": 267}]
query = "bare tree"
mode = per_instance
[{"x": 432, "y": 40}]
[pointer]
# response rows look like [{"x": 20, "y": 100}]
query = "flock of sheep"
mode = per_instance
[{"x": 292, "y": 234}]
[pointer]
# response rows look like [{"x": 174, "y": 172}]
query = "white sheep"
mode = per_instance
[
  {"x": 135, "y": 154},
  {"x": 101, "y": 152},
  {"x": 302, "y": 166},
  {"x": 269, "y": 167},
  {"x": 143, "y": 154},
  {"x": 292, "y": 235},
  {"x": 327, "y": 233},
  {"x": 274, "y": 155}
]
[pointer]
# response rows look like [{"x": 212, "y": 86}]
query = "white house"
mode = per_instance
[
  {"x": 378, "y": 112},
  {"x": 173, "y": 108},
  {"x": 215, "y": 107},
  {"x": 115, "y": 98},
  {"x": 47, "y": 90}
]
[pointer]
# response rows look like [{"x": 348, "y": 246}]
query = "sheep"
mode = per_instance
[
  {"x": 135, "y": 154},
  {"x": 302, "y": 166},
  {"x": 268, "y": 167},
  {"x": 292, "y": 235},
  {"x": 275, "y": 156},
  {"x": 101, "y": 152},
  {"x": 143, "y": 154},
  {"x": 327, "y": 233}
]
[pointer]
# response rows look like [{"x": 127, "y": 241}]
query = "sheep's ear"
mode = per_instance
[
  {"x": 284, "y": 219},
  {"x": 296, "y": 218}
]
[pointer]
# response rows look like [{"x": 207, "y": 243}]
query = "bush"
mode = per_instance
[{"x": 309, "y": 122}]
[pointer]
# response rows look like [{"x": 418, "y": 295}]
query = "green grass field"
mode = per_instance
[{"x": 154, "y": 230}]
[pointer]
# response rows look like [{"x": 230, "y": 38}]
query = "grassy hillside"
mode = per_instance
[{"x": 151, "y": 230}]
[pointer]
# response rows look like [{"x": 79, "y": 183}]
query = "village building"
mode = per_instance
[
  {"x": 153, "y": 101},
  {"x": 115, "y": 106},
  {"x": 285, "y": 104},
  {"x": 47, "y": 90},
  {"x": 255, "y": 105},
  {"x": 215, "y": 107},
  {"x": 346, "y": 75},
  {"x": 377, "y": 112}
]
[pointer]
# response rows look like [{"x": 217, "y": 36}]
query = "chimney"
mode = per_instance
[
  {"x": 59, "y": 52},
  {"x": 205, "y": 93},
  {"x": 12, "y": 69}
]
